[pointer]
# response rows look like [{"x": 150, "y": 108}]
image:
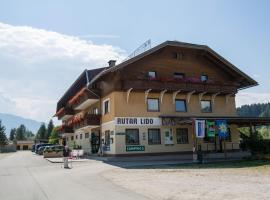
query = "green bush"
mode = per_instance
[{"x": 255, "y": 143}]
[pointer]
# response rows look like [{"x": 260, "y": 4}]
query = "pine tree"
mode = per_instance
[
  {"x": 12, "y": 134},
  {"x": 3, "y": 137},
  {"x": 49, "y": 129},
  {"x": 54, "y": 139},
  {"x": 41, "y": 134},
  {"x": 21, "y": 132}
]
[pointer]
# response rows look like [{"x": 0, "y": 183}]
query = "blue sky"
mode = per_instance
[{"x": 69, "y": 36}]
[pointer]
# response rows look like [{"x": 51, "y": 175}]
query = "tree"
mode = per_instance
[
  {"x": 54, "y": 138},
  {"x": 21, "y": 132},
  {"x": 49, "y": 129},
  {"x": 12, "y": 134},
  {"x": 3, "y": 137},
  {"x": 41, "y": 134},
  {"x": 29, "y": 134}
]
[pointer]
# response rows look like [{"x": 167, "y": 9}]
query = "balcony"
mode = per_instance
[
  {"x": 65, "y": 130},
  {"x": 65, "y": 113},
  {"x": 89, "y": 121},
  {"x": 183, "y": 85},
  {"x": 83, "y": 99}
]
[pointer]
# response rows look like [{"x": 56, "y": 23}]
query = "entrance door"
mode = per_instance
[{"x": 95, "y": 142}]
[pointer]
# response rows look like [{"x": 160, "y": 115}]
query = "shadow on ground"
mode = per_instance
[{"x": 212, "y": 165}]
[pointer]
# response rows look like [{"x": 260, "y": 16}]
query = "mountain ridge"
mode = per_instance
[{"x": 13, "y": 121}]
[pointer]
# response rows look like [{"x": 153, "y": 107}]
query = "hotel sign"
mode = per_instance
[
  {"x": 135, "y": 148},
  {"x": 137, "y": 121}
]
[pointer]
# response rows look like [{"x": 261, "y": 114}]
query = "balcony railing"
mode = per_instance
[
  {"x": 83, "y": 99},
  {"x": 183, "y": 85},
  {"x": 65, "y": 113},
  {"x": 88, "y": 121},
  {"x": 64, "y": 129}
]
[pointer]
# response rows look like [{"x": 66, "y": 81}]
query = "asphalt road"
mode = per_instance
[{"x": 24, "y": 176}]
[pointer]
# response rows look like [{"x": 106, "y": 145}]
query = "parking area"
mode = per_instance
[{"x": 24, "y": 175}]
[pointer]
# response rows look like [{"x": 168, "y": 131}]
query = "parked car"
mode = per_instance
[
  {"x": 33, "y": 147},
  {"x": 40, "y": 145},
  {"x": 41, "y": 149},
  {"x": 53, "y": 151}
]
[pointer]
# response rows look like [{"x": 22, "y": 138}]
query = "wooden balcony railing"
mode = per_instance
[
  {"x": 158, "y": 85},
  {"x": 81, "y": 97},
  {"x": 88, "y": 120},
  {"x": 65, "y": 129},
  {"x": 65, "y": 113}
]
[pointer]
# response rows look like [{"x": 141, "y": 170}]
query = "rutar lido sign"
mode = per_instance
[{"x": 138, "y": 121}]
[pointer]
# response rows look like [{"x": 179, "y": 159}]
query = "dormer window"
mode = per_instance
[
  {"x": 204, "y": 78},
  {"x": 152, "y": 75},
  {"x": 178, "y": 75}
]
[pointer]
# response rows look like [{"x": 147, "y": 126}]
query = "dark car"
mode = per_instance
[
  {"x": 33, "y": 147},
  {"x": 41, "y": 149},
  {"x": 40, "y": 145}
]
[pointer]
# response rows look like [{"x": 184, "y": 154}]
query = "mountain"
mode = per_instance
[
  {"x": 13, "y": 121},
  {"x": 254, "y": 110}
]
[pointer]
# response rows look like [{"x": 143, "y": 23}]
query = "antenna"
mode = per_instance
[{"x": 144, "y": 47}]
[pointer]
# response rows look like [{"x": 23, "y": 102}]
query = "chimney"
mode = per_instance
[{"x": 112, "y": 63}]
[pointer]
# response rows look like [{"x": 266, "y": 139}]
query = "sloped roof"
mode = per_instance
[
  {"x": 248, "y": 81},
  {"x": 79, "y": 83},
  {"x": 98, "y": 73}
]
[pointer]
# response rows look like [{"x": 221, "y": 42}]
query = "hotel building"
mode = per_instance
[{"x": 148, "y": 103}]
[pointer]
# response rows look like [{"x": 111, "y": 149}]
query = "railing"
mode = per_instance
[
  {"x": 83, "y": 97},
  {"x": 88, "y": 120},
  {"x": 183, "y": 85},
  {"x": 65, "y": 111},
  {"x": 65, "y": 129}
]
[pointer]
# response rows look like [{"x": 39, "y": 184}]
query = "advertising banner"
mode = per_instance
[
  {"x": 222, "y": 128},
  {"x": 200, "y": 128}
]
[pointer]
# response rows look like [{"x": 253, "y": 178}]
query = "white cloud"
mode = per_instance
[
  {"x": 37, "y": 66},
  {"x": 243, "y": 98}
]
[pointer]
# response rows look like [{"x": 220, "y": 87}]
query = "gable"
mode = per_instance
[{"x": 202, "y": 53}]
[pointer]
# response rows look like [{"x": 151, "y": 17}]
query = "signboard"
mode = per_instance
[
  {"x": 168, "y": 136},
  {"x": 135, "y": 148},
  {"x": 138, "y": 121},
  {"x": 200, "y": 128}
]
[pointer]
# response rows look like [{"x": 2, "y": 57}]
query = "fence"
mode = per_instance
[{"x": 8, "y": 148}]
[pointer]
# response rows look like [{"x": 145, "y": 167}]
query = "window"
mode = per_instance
[
  {"x": 204, "y": 78},
  {"x": 177, "y": 75},
  {"x": 152, "y": 74},
  {"x": 80, "y": 136},
  {"x": 154, "y": 136},
  {"x": 76, "y": 137},
  {"x": 182, "y": 135},
  {"x": 107, "y": 138},
  {"x": 72, "y": 137},
  {"x": 106, "y": 106},
  {"x": 206, "y": 106},
  {"x": 86, "y": 135},
  {"x": 180, "y": 105},
  {"x": 177, "y": 55},
  {"x": 132, "y": 137},
  {"x": 67, "y": 138},
  {"x": 152, "y": 104}
]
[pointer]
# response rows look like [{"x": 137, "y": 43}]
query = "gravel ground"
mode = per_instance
[{"x": 209, "y": 182}]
